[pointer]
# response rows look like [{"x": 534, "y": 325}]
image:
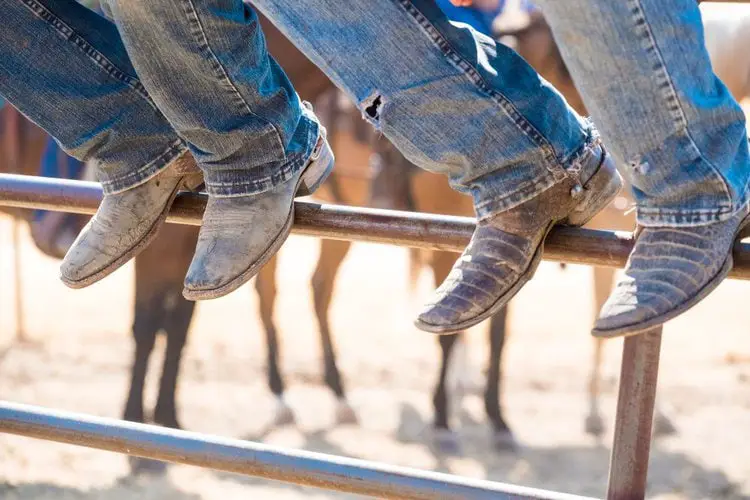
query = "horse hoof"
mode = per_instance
[
  {"x": 504, "y": 441},
  {"x": 594, "y": 426},
  {"x": 145, "y": 466},
  {"x": 663, "y": 426},
  {"x": 284, "y": 415},
  {"x": 446, "y": 441},
  {"x": 345, "y": 414}
]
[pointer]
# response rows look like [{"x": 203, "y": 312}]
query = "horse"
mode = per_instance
[
  {"x": 529, "y": 34},
  {"x": 159, "y": 305}
]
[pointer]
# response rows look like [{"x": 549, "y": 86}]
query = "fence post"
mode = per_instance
[{"x": 628, "y": 469}]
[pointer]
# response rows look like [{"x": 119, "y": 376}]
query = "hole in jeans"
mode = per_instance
[{"x": 373, "y": 109}]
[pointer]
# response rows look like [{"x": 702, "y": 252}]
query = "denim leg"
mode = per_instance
[
  {"x": 452, "y": 100},
  {"x": 645, "y": 76},
  {"x": 205, "y": 64},
  {"x": 66, "y": 68}
]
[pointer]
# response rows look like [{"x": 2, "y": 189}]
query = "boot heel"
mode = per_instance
[
  {"x": 599, "y": 191},
  {"x": 317, "y": 171}
]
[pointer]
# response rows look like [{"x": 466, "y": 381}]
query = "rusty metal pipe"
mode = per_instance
[
  {"x": 435, "y": 232},
  {"x": 253, "y": 459},
  {"x": 628, "y": 470}
]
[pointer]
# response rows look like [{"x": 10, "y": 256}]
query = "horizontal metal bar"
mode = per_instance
[
  {"x": 435, "y": 232},
  {"x": 253, "y": 459}
]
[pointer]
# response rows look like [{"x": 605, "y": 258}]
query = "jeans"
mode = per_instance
[
  {"x": 204, "y": 81},
  {"x": 195, "y": 73}
]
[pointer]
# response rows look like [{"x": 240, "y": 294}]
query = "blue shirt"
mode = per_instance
[{"x": 477, "y": 19}]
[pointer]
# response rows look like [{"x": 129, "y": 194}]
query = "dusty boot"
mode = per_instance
[
  {"x": 125, "y": 224},
  {"x": 668, "y": 272},
  {"x": 240, "y": 234},
  {"x": 506, "y": 249}
]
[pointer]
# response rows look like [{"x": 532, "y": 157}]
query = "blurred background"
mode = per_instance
[{"x": 381, "y": 390}]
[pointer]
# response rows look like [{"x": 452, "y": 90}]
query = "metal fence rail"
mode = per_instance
[
  {"x": 253, "y": 459},
  {"x": 435, "y": 232}
]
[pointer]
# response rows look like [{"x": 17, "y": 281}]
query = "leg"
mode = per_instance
[
  {"x": 604, "y": 278},
  {"x": 529, "y": 161},
  {"x": 66, "y": 68},
  {"x": 332, "y": 254},
  {"x": 206, "y": 67},
  {"x": 147, "y": 322},
  {"x": 265, "y": 285},
  {"x": 684, "y": 142},
  {"x": 157, "y": 307},
  {"x": 441, "y": 264},
  {"x": 503, "y": 436},
  {"x": 178, "y": 314},
  {"x": 444, "y": 436}
]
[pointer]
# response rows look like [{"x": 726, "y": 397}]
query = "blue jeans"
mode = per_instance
[{"x": 195, "y": 73}]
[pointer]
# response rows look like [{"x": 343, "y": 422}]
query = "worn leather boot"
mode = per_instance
[
  {"x": 126, "y": 223},
  {"x": 506, "y": 249},
  {"x": 240, "y": 234},
  {"x": 668, "y": 272}
]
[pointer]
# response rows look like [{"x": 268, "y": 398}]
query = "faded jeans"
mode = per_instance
[{"x": 195, "y": 73}]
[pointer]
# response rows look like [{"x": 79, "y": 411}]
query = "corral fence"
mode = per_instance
[{"x": 638, "y": 377}]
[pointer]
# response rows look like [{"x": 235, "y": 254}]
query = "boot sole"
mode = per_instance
[
  {"x": 644, "y": 326},
  {"x": 593, "y": 203},
  {"x": 311, "y": 179},
  {"x": 188, "y": 182}
]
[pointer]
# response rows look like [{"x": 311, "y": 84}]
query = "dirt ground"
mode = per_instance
[{"x": 80, "y": 355}]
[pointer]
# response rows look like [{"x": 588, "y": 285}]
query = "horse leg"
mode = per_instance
[
  {"x": 662, "y": 425},
  {"x": 17, "y": 282},
  {"x": 147, "y": 322},
  {"x": 265, "y": 285},
  {"x": 594, "y": 424},
  {"x": 332, "y": 254},
  {"x": 503, "y": 437},
  {"x": 445, "y": 439},
  {"x": 12, "y": 144},
  {"x": 178, "y": 314},
  {"x": 441, "y": 264}
]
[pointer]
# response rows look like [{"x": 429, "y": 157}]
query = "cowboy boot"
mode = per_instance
[
  {"x": 126, "y": 223},
  {"x": 506, "y": 249},
  {"x": 239, "y": 235},
  {"x": 668, "y": 272}
]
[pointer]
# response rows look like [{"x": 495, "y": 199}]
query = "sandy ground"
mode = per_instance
[{"x": 80, "y": 355}]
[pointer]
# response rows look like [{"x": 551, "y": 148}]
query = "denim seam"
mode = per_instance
[
  {"x": 670, "y": 93},
  {"x": 84, "y": 46},
  {"x": 696, "y": 217},
  {"x": 200, "y": 37},
  {"x": 476, "y": 79},
  {"x": 119, "y": 183},
  {"x": 676, "y": 211}
]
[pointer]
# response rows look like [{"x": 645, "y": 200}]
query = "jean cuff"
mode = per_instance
[
  {"x": 488, "y": 205},
  {"x": 238, "y": 180},
  {"x": 114, "y": 182}
]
